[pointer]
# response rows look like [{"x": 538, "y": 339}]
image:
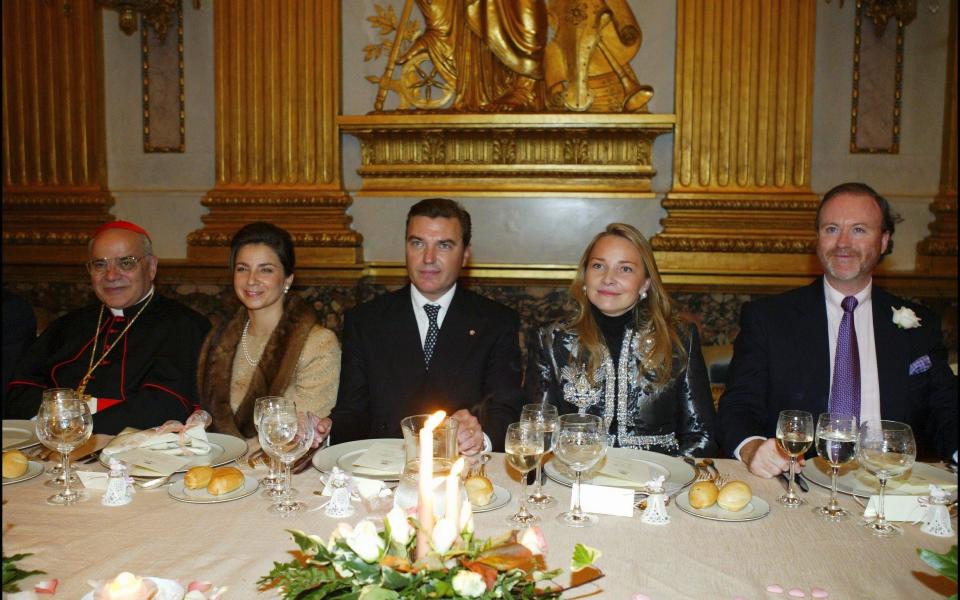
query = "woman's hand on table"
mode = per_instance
[{"x": 321, "y": 427}]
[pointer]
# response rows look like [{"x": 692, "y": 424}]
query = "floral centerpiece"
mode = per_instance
[{"x": 362, "y": 562}]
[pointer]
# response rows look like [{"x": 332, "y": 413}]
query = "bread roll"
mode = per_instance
[
  {"x": 15, "y": 464},
  {"x": 734, "y": 496},
  {"x": 479, "y": 490},
  {"x": 197, "y": 477},
  {"x": 703, "y": 494},
  {"x": 225, "y": 480}
]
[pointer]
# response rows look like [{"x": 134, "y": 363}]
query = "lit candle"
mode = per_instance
[
  {"x": 126, "y": 586},
  {"x": 453, "y": 492},
  {"x": 425, "y": 505}
]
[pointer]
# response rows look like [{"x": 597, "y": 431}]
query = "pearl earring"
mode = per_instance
[
  {"x": 643, "y": 295},
  {"x": 286, "y": 289}
]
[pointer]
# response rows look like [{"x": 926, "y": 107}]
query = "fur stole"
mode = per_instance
[{"x": 271, "y": 376}]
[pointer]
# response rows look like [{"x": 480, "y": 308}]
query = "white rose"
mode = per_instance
[
  {"x": 904, "y": 318},
  {"x": 365, "y": 541},
  {"x": 469, "y": 584},
  {"x": 400, "y": 529},
  {"x": 342, "y": 530},
  {"x": 444, "y": 534},
  {"x": 532, "y": 538},
  {"x": 466, "y": 517}
]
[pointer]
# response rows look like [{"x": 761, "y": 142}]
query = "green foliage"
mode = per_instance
[
  {"x": 583, "y": 557},
  {"x": 945, "y": 564},
  {"x": 12, "y": 573}
]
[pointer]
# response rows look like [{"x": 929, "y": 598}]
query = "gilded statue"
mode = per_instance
[{"x": 513, "y": 56}]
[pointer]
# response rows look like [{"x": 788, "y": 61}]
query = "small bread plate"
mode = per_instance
[
  {"x": 628, "y": 468},
  {"x": 857, "y": 482},
  {"x": 19, "y": 434},
  {"x": 167, "y": 589},
  {"x": 34, "y": 468},
  {"x": 223, "y": 449},
  {"x": 344, "y": 455},
  {"x": 757, "y": 508},
  {"x": 178, "y": 491},
  {"x": 501, "y": 497}
]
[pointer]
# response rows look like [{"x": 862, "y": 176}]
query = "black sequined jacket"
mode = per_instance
[{"x": 677, "y": 418}]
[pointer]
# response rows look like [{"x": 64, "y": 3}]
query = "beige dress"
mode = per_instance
[{"x": 314, "y": 385}]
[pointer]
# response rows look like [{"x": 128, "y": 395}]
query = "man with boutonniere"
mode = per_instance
[
  {"x": 840, "y": 344},
  {"x": 132, "y": 355}
]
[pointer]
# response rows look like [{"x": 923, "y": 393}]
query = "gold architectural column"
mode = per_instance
[
  {"x": 937, "y": 253},
  {"x": 741, "y": 201},
  {"x": 277, "y": 144},
  {"x": 54, "y": 139}
]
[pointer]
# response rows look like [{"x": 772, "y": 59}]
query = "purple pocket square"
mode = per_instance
[{"x": 921, "y": 365}]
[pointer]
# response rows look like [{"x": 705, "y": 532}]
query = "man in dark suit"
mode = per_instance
[
  {"x": 430, "y": 345},
  {"x": 787, "y": 353}
]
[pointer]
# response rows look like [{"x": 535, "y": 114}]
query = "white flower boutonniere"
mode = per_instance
[{"x": 904, "y": 318}]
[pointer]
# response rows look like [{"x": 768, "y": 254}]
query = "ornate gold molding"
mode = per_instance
[{"x": 507, "y": 152}]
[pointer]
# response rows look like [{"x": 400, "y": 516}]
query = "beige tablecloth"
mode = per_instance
[{"x": 235, "y": 543}]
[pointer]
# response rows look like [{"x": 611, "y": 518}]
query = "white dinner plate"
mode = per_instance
[
  {"x": 167, "y": 589},
  {"x": 675, "y": 472},
  {"x": 223, "y": 449},
  {"x": 343, "y": 455},
  {"x": 757, "y": 508},
  {"x": 857, "y": 482},
  {"x": 501, "y": 497},
  {"x": 178, "y": 491},
  {"x": 19, "y": 434},
  {"x": 34, "y": 468}
]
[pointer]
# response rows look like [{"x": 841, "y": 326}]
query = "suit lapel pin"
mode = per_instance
[{"x": 472, "y": 332}]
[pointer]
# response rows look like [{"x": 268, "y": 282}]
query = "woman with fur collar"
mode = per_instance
[
  {"x": 273, "y": 345},
  {"x": 625, "y": 356}
]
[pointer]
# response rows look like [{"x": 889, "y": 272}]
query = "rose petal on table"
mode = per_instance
[
  {"x": 819, "y": 592},
  {"x": 199, "y": 586},
  {"x": 773, "y": 588},
  {"x": 797, "y": 593},
  {"x": 639, "y": 597},
  {"x": 47, "y": 587}
]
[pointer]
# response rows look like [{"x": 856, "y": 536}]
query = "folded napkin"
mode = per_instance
[
  {"x": 170, "y": 438},
  {"x": 897, "y": 508},
  {"x": 619, "y": 472}
]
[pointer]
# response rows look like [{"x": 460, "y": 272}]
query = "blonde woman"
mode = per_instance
[
  {"x": 273, "y": 345},
  {"x": 624, "y": 355}
]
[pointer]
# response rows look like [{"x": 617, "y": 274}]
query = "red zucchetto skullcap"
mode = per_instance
[{"x": 121, "y": 225}]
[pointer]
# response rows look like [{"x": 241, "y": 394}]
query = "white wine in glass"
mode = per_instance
[
  {"x": 794, "y": 437},
  {"x": 886, "y": 449},
  {"x": 545, "y": 419},
  {"x": 836, "y": 444},
  {"x": 64, "y": 423},
  {"x": 581, "y": 444},
  {"x": 524, "y": 449},
  {"x": 56, "y": 471}
]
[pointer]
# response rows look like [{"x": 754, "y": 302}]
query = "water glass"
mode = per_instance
[
  {"x": 56, "y": 471},
  {"x": 544, "y": 418},
  {"x": 524, "y": 448},
  {"x": 63, "y": 423},
  {"x": 272, "y": 482},
  {"x": 836, "y": 444},
  {"x": 886, "y": 449},
  {"x": 287, "y": 436},
  {"x": 581, "y": 444}
]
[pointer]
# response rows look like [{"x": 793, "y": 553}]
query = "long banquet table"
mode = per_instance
[{"x": 234, "y": 543}]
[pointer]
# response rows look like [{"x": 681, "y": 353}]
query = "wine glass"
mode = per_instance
[
  {"x": 581, "y": 444},
  {"x": 794, "y": 436},
  {"x": 272, "y": 482},
  {"x": 836, "y": 444},
  {"x": 287, "y": 436},
  {"x": 886, "y": 449},
  {"x": 63, "y": 423},
  {"x": 56, "y": 471},
  {"x": 524, "y": 448},
  {"x": 544, "y": 418}
]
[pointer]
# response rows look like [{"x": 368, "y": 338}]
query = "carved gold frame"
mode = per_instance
[
  {"x": 145, "y": 30},
  {"x": 894, "y": 147}
]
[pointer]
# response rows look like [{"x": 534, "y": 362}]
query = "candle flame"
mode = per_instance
[
  {"x": 434, "y": 420},
  {"x": 457, "y": 468}
]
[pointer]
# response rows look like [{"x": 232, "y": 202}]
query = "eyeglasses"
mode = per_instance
[{"x": 122, "y": 263}]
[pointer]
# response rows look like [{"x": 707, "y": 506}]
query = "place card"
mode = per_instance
[
  {"x": 897, "y": 508},
  {"x": 93, "y": 480},
  {"x": 625, "y": 469},
  {"x": 605, "y": 500},
  {"x": 158, "y": 462},
  {"x": 381, "y": 458}
]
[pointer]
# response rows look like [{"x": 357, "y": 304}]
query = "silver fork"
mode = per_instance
[{"x": 702, "y": 473}]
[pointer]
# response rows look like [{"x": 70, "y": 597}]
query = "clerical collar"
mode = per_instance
[{"x": 118, "y": 312}]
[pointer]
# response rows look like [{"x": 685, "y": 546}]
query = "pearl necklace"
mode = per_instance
[{"x": 243, "y": 346}]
